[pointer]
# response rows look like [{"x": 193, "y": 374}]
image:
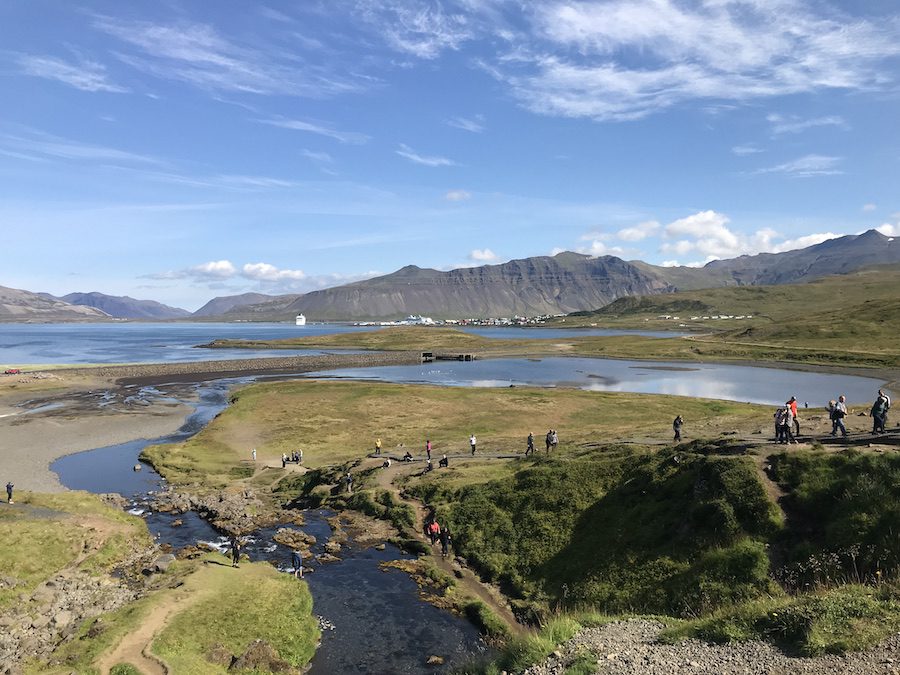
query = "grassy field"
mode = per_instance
[
  {"x": 336, "y": 422},
  {"x": 45, "y": 534},
  {"x": 197, "y": 616}
]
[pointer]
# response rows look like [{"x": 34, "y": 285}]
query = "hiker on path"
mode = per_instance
[
  {"x": 283, "y": 459},
  {"x": 428, "y": 448},
  {"x": 879, "y": 412},
  {"x": 299, "y": 459},
  {"x": 297, "y": 563},
  {"x": 9, "y": 489},
  {"x": 444, "y": 462},
  {"x": 677, "y": 424},
  {"x": 235, "y": 550},
  {"x": 792, "y": 404},
  {"x": 445, "y": 542},
  {"x": 253, "y": 454},
  {"x": 786, "y": 431},
  {"x": 377, "y": 446},
  {"x": 472, "y": 442},
  {"x": 548, "y": 441},
  {"x": 838, "y": 413},
  {"x": 434, "y": 531},
  {"x": 349, "y": 480},
  {"x": 529, "y": 444},
  {"x": 554, "y": 439}
]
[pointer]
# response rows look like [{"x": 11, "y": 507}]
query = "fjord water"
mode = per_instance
[
  {"x": 750, "y": 384},
  {"x": 135, "y": 342}
]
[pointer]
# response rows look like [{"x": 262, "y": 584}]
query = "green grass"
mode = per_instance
[
  {"x": 627, "y": 532},
  {"x": 236, "y": 609},
  {"x": 484, "y": 619},
  {"x": 43, "y": 536},
  {"x": 338, "y": 422},
  {"x": 849, "y": 618},
  {"x": 124, "y": 669},
  {"x": 847, "y": 507}
]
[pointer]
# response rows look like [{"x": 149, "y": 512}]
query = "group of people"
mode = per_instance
[
  {"x": 787, "y": 425},
  {"x": 296, "y": 457},
  {"x": 436, "y": 533}
]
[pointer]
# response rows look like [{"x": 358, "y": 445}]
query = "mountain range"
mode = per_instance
[{"x": 559, "y": 284}]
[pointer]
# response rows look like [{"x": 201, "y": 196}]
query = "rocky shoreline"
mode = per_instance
[{"x": 631, "y": 648}]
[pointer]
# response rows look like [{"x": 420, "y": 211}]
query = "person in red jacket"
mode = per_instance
[{"x": 792, "y": 404}]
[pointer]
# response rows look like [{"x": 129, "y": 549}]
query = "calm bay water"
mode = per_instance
[
  {"x": 705, "y": 380},
  {"x": 124, "y": 342}
]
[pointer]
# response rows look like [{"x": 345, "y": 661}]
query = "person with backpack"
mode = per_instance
[
  {"x": 554, "y": 439},
  {"x": 792, "y": 404},
  {"x": 879, "y": 412},
  {"x": 529, "y": 444},
  {"x": 677, "y": 424},
  {"x": 445, "y": 541},
  {"x": 434, "y": 531},
  {"x": 838, "y": 413}
]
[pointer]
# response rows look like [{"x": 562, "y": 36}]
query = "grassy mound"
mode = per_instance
[{"x": 659, "y": 532}]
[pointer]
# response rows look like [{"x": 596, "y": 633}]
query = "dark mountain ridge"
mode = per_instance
[{"x": 124, "y": 307}]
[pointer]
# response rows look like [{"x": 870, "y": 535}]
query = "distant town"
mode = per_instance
[{"x": 416, "y": 320}]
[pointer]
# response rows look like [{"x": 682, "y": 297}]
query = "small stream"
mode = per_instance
[{"x": 372, "y": 620}]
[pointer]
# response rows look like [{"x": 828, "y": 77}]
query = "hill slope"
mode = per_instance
[
  {"x": 227, "y": 303},
  {"x": 124, "y": 307},
  {"x": 543, "y": 285},
  {"x": 19, "y": 305}
]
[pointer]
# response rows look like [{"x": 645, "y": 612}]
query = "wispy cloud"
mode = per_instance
[
  {"x": 420, "y": 29},
  {"x": 85, "y": 75},
  {"x": 807, "y": 167},
  {"x": 793, "y": 124},
  {"x": 869, "y": 208},
  {"x": 482, "y": 255},
  {"x": 742, "y": 150},
  {"x": 321, "y": 157},
  {"x": 475, "y": 125},
  {"x": 199, "y": 55},
  {"x": 320, "y": 128},
  {"x": 34, "y": 143},
  {"x": 457, "y": 196},
  {"x": 626, "y": 59},
  {"x": 408, "y": 153}
]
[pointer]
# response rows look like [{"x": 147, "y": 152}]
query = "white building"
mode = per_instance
[{"x": 301, "y": 320}]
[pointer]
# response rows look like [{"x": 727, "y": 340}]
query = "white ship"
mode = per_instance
[{"x": 301, "y": 320}]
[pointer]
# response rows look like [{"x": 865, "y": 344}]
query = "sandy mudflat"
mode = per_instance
[{"x": 28, "y": 443}]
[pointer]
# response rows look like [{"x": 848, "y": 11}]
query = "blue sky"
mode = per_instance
[{"x": 179, "y": 150}]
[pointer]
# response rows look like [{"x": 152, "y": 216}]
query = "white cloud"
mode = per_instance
[
  {"x": 216, "y": 269},
  {"x": 868, "y": 208},
  {"x": 482, "y": 255},
  {"x": 890, "y": 230},
  {"x": 743, "y": 150},
  {"x": 457, "y": 196},
  {"x": 408, "y": 153},
  {"x": 707, "y": 233},
  {"x": 475, "y": 125},
  {"x": 807, "y": 166},
  {"x": 669, "y": 263},
  {"x": 600, "y": 248},
  {"x": 640, "y": 231},
  {"x": 322, "y": 129},
  {"x": 85, "y": 75},
  {"x": 266, "y": 272},
  {"x": 793, "y": 124},
  {"x": 35, "y": 142}
]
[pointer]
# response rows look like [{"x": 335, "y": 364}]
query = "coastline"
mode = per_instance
[{"x": 31, "y": 440}]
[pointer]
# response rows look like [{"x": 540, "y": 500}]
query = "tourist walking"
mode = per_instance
[
  {"x": 348, "y": 479},
  {"x": 235, "y": 550},
  {"x": 9, "y": 491},
  {"x": 445, "y": 542},
  {"x": 434, "y": 531},
  {"x": 554, "y": 439},
  {"x": 548, "y": 441},
  {"x": 879, "y": 412},
  {"x": 792, "y": 404},
  {"x": 253, "y": 454},
  {"x": 428, "y": 448},
  {"x": 377, "y": 446},
  {"x": 838, "y": 413},
  {"x": 677, "y": 424},
  {"x": 529, "y": 444},
  {"x": 297, "y": 563},
  {"x": 283, "y": 459},
  {"x": 472, "y": 442}
]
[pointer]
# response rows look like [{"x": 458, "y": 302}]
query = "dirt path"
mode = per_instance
[
  {"x": 469, "y": 584},
  {"x": 134, "y": 648}
]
